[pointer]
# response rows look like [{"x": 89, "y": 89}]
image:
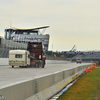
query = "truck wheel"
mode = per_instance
[
  {"x": 43, "y": 64},
  {"x": 36, "y": 65},
  {"x": 39, "y": 64},
  {"x": 12, "y": 66},
  {"x": 25, "y": 66}
]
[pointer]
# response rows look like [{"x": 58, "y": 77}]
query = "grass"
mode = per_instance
[{"x": 86, "y": 88}]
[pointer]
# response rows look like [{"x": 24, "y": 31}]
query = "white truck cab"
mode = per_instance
[
  {"x": 79, "y": 60},
  {"x": 19, "y": 58}
]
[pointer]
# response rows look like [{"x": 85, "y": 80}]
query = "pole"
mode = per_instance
[{"x": 52, "y": 51}]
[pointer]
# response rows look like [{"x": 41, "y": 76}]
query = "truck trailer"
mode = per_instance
[{"x": 34, "y": 56}]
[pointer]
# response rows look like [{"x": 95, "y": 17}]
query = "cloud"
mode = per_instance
[{"x": 70, "y": 20}]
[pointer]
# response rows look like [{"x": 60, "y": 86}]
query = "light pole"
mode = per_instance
[{"x": 52, "y": 51}]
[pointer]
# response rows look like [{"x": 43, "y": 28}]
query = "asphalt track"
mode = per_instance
[{"x": 10, "y": 76}]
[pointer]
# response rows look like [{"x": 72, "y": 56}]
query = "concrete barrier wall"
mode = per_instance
[
  {"x": 5, "y": 61},
  {"x": 41, "y": 88},
  {"x": 56, "y": 62}
]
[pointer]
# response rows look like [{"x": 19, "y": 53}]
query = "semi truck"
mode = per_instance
[{"x": 34, "y": 56}]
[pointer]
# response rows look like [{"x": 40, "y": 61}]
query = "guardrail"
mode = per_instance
[{"x": 41, "y": 88}]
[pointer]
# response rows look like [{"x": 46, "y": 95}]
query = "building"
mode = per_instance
[{"x": 26, "y": 35}]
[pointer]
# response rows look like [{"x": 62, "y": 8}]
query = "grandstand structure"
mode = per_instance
[
  {"x": 26, "y": 35},
  {"x": 92, "y": 57},
  {"x": 84, "y": 55},
  {"x": 16, "y": 38},
  {"x": 6, "y": 45}
]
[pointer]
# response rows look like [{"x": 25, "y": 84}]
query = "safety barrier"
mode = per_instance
[
  {"x": 5, "y": 61},
  {"x": 41, "y": 88},
  {"x": 57, "y": 62}
]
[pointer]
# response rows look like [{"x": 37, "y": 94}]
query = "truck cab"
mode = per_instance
[
  {"x": 19, "y": 58},
  {"x": 79, "y": 60}
]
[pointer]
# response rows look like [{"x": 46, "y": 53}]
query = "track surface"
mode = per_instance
[{"x": 10, "y": 76}]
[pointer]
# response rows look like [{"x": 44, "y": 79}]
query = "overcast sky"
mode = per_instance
[{"x": 72, "y": 22}]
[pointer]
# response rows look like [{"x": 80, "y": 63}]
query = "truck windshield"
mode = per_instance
[{"x": 78, "y": 59}]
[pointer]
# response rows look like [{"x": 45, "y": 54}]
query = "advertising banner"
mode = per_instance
[{"x": 84, "y": 53}]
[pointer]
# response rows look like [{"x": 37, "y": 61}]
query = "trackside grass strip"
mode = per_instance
[{"x": 86, "y": 88}]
